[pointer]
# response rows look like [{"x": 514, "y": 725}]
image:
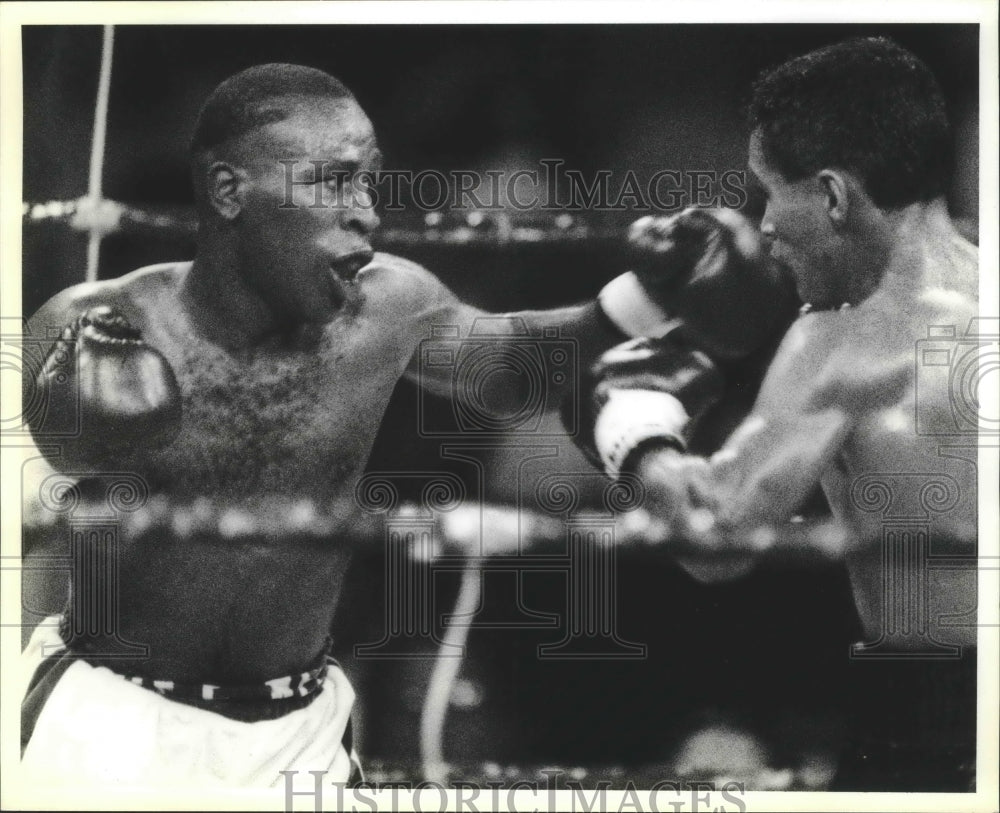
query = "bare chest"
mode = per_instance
[{"x": 284, "y": 419}]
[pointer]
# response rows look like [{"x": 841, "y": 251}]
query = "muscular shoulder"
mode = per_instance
[
  {"x": 943, "y": 309},
  {"x": 402, "y": 271},
  {"x": 137, "y": 295},
  {"x": 806, "y": 348},
  {"x": 837, "y": 359},
  {"x": 392, "y": 279},
  {"x": 393, "y": 263}
]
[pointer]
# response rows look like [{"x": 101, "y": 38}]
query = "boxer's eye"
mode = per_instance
[{"x": 338, "y": 182}]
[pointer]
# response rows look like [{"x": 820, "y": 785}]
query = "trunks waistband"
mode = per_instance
[
  {"x": 296, "y": 686},
  {"x": 302, "y": 684}
]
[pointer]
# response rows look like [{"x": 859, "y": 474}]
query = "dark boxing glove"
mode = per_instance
[
  {"x": 705, "y": 271},
  {"x": 102, "y": 384},
  {"x": 643, "y": 392}
]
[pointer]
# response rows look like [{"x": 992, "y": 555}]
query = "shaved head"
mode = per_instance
[{"x": 258, "y": 96}]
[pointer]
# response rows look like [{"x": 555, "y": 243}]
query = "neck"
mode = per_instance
[
  {"x": 223, "y": 308},
  {"x": 927, "y": 251}
]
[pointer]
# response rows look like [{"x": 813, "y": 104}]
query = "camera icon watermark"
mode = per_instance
[
  {"x": 501, "y": 379},
  {"x": 49, "y": 412},
  {"x": 954, "y": 375},
  {"x": 75, "y": 527}
]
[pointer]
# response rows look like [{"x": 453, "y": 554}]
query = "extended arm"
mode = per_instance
[
  {"x": 546, "y": 347},
  {"x": 700, "y": 273}
]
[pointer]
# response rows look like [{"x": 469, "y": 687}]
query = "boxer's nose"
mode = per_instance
[{"x": 360, "y": 214}]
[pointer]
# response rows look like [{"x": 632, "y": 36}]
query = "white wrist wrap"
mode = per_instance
[
  {"x": 632, "y": 416},
  {"x": 629, "y": 307}
]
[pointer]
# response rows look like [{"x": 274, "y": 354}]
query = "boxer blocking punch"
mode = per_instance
[
  {"x": 850, "y": 146},
  {"x": 121, "y": 390},
  {"x": 645, "y": 391},
  {"x": 281, "y": 342}
]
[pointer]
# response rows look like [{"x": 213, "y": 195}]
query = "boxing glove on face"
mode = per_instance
[
  {"x": 103, "y": 380},
  {"x": 642, "y": 392},
  {"x": 705, "y": 270}
]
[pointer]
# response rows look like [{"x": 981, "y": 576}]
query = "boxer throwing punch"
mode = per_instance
[
  {"x": 264, "y": 366},
  {"x": 851, "y": 147}
]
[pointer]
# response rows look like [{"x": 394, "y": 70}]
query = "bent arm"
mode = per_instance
[
  {"x": 45, "y": 326},
  {"x": 107, "y": 398},
  {"x": 717, "y": 508},
  {"x": 823, "y": 382},
  {"x": 42, "y": 331},
  {"x": 759, "y": 478}
]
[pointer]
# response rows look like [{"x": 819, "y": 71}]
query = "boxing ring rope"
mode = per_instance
[
  {"x": 460, "y": 530},
  {"x": 472, "y": 227},
  {"x": 469, "y": 538},
  {"x": 94, "y": 192},
  {"x": 99, "y": 217}
]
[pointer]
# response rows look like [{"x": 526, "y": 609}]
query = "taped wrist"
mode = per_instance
[
  {"x": 627, "y": 305},
  {"x": 631, "y": 419}
]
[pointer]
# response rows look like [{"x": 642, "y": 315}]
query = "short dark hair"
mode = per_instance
[
  {"x": 257, "y": 96},
  {"x": 866, "y": 105}
]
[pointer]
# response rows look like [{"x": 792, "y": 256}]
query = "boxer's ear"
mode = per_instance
[
  {"x": 224, "y": 185},
  {"x": 835, "y": 186}
]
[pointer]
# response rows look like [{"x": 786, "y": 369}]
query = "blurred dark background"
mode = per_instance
[
  {"x": 766, "y": 654},
  {"x": 610, "y": 97}
]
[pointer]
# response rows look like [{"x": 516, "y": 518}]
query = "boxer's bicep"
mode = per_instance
[
  {"x": 439, "y": 324},
  {"x": 442, "y": 332},
  {"x": 775, "y": 458},
  {"x": 452, "y": 331},
  {"x": 559, "y": 341},
  {"x": 772, "y": 463}
]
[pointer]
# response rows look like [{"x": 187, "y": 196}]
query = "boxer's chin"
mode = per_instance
[
  {"x": 324, "y": 311},
  {"x": 781, "y": 273},
  {"x": 803, "y": 284},
  {"x": 336, "y": 299}
]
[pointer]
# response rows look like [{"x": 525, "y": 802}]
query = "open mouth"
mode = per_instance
[{"x": 346, "y": 267}]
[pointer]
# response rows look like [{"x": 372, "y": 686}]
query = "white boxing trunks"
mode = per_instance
[{"x": 86, "y": 725}]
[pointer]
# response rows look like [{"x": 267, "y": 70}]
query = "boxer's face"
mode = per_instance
[
  {"x": 797, "y": 229},
  {"x": 307, "y": 215}
]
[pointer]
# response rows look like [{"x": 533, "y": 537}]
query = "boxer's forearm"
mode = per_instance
[
  {"x": 756, "y": 481},
  {"x": 557, "y": 343},
  {"x": 666, "y": 475},
  {"x": 585, "y": 326},
  {"x": 564, "y": 342},
  {"x": 679, "y": 491}
]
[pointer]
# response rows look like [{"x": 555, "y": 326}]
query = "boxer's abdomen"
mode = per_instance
[
  {"x": 220, "y": 610},
  {"x": 295, "y": 421}
]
